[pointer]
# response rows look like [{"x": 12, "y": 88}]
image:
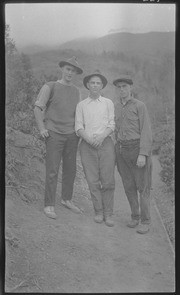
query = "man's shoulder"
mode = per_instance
[
  {"x": 108, "y": 100},
  {"x": 58, "y": 83},
  {"x": 75, "y": 87},
  {"x": 50, "y": 83},
  {"x": 83, "y": 102},
  {"x": 138, "y": 102}
]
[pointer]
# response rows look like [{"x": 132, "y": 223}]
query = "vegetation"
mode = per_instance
[
  {"x": 166, "y": 158},
  {"x": 21, "y": 90},
  {"x": 154, "y": 84}
]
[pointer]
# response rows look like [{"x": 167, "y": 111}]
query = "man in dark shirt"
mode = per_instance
[
  {"x": 58, "y": 101},
  {"x": 133, "y": 152}
]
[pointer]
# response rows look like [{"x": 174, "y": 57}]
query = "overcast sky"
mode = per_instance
[{"x": 56, "y": 23}]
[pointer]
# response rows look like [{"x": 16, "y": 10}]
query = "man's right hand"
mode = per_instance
[
  {"x": 89, "y": 140},
  {"x": 86, "y": 137},
  {"x": 44, "y": 133}
]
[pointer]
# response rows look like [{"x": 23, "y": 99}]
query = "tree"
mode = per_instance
[
  {"x": 21, "y": 87},
  {"x": 29, "y": 82},
  {"x": 9, "y": 43}
]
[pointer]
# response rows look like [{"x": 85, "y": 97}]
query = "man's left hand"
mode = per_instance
[
  {"x": 98, "y": 140},
  {"x": 141, "y": 161}
]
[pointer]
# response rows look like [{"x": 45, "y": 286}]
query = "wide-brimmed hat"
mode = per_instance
[
  {"x": 123, "y": 78},
  {"x": 98, "y": 74},
  {"x": 72, "y": 62}
]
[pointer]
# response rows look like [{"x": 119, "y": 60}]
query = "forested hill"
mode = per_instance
[{"x": 136, "y": 43}]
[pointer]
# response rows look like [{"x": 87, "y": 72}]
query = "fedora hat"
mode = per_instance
[
  {"x": 98, "y": 74},
  {"x": 123, "y": 78},
  {"x": 72, "y": 62}
]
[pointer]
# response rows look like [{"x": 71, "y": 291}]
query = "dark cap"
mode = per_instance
[{"x": 123, "y": 78}]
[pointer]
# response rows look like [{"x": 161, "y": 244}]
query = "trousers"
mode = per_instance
[
  {"x": 99, "y": 165},
  {"x": 135, "y": 179},
  {"x": 60, "y": 146}
]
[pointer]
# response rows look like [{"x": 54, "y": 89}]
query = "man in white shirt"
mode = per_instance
[{"x": 94, "y": 122}]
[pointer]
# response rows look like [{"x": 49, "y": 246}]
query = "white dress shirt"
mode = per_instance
[{"x": 95, "y": 115}]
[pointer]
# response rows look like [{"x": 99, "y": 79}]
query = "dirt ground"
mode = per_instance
[{"x": 73, "y": 254}]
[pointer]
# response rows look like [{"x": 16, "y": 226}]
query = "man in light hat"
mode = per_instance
[
  {"x": 94, "y": 123},
  {"x": 133, "y": 152},
  {"x": 58, "y": 100}
]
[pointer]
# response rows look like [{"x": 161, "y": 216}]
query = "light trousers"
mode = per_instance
[{"x": 99, "y": 165}]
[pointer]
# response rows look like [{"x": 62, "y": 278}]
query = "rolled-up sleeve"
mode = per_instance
[
  {"x": 79, "y": 119},
  {"x": 43, "y": 97},
  {"x": 111, "y": 122},
  {"x": 145, "y": 129}
]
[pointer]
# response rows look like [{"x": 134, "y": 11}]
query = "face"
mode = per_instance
[
  {"x": 68, "y": 72},
  {"x": 124, "y": 89},
  {"x": 95, "y": 85}
]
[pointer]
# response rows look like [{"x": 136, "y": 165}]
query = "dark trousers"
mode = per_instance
[
  {"x": 98, "y": 165},
  {"x": 60, "y": 146},
  {"x": 135, "y": 179}
]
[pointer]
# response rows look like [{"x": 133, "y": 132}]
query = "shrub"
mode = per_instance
[
  {"x": 166, "y": 158},
  {"x": 21, "y": 88}
]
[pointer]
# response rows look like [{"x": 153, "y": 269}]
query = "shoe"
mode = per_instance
[
  {"x": 133, "y": 223},
  {"x": 68, "y": 204},
  {"x": 49, "y": 211},
  {"x": 109, "y": 221},
  {"x": 98, "y": 218},
  {"x": 143, "y": 228}
]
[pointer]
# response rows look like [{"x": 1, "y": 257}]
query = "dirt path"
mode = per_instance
[{"x": 74, "y": 254}]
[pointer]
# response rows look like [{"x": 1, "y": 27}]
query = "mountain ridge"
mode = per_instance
[
  {"x": 116, "y": 42},
  {"x": 125, "y": 41}
]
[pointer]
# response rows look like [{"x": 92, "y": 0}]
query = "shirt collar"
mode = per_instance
[
  {"x": 61, "y": 82},
  {"x": 97, "y": 99},
  {"x": 127, "y": 102}
]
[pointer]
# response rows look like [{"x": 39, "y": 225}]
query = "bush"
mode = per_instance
[
  {"x": 21, "y": 88},
  {"x": 166, "y": 158}
]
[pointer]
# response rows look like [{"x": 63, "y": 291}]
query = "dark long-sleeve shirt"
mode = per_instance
[{"x": 132, "y": 122}]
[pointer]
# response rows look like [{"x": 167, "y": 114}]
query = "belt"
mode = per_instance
[{"x": 129, "y": 142}]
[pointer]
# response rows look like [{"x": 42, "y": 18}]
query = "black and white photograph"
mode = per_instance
[{"x": 90, "y": 147}]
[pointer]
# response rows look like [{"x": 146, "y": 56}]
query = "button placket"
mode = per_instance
[{"x": 123, "y": 119}]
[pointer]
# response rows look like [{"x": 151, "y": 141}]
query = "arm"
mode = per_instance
[
  {"x": 99, "y": 138},
  {"x": 39, "y": 119},
  {"x": 82, "y": 133},
  {"x": 145, "y": 131},
  {"x": 146, "y": 136},
  {"x": 40, "y": 106},
  {"x": 79, "y": 125}
]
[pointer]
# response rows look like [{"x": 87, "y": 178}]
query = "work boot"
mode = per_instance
[
  {"x": 68, "y": 204},
  {"x": 109, "y": 221},
  {"x": 98, "y": 218},
  {"x": 49, "y": 211},
  {"x": 133, "y": 223},
  {"x": 143, "y": 228}
]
